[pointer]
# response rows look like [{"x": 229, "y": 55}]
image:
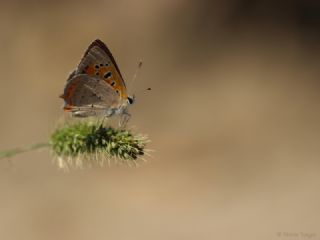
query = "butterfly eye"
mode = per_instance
[{"x": 130, "y": 100}]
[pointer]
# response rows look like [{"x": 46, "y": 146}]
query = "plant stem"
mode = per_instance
[{"x": 15, "y": 151}]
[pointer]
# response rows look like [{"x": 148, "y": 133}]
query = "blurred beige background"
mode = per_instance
[{"x": 233, "y": 117}]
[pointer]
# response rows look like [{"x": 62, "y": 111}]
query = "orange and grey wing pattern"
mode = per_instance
[
  {"x": 99, "y": 62},
  {"x": 85, "y": 92}
]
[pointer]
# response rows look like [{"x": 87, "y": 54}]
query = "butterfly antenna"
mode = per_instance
[
  {"x": 143, "y": 90},
  {"x": 136, "y": 73}
]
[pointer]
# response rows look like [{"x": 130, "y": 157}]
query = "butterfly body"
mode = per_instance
[{"x": 96, "y": 86}]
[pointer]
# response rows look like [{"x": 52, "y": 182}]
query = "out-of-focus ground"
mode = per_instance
[{"x": 233, "y": 116}]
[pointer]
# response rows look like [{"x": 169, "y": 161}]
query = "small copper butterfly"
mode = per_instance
[{"x": 96, "y": 87}]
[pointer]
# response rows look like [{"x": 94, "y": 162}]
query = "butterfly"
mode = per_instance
[{"x": 96, "y": 87}]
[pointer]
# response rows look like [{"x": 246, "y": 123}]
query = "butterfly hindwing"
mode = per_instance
[{"x": 88, "y": 91}]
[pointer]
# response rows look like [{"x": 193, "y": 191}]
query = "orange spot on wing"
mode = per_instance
[
  {"x": 90, "y": 70},
  {"x": 103, "y": 70},
  {"x": 67, "y": 108},
  {"x": 116, "y": 78},
  {"x": 69, "y": 91},
  {"x": 122, "y": 91}
]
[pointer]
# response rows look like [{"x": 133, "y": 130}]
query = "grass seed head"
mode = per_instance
[{"x": 86, "y": 144}]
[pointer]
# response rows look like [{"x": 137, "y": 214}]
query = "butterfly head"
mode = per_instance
[{"x": 131, "y": 99}]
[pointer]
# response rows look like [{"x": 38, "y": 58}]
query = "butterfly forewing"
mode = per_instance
[{"x": 98, "y": 61}]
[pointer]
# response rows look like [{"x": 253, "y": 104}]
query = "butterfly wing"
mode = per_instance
[
  {"x": 89, "y": 95},
  {"x": 96, "y": 84},
  {"x": 98, "y": 61}
]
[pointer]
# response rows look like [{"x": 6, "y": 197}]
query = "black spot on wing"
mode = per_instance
[
  {"x": 107, "y": 75},
  {"x": 103, "y": 46}
]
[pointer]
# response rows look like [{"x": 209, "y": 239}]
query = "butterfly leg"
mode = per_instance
[{"x": 124, "y": 118}]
